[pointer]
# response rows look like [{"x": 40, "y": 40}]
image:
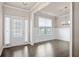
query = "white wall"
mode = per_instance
[
  {"x": 59, "y": 32},
  {"x": 39, "y": 38},
  {"x": 62, "y": 34},
  {"x": 1, "y": 29},
  {"x": 63, "y": 31}
]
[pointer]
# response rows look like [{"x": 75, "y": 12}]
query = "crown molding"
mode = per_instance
[
  {"x": 16, "y": 8},
  {"x": 51, "y": 14},
  {"x": 39, "y": 6},
  {"x": 26, "y": 10}
]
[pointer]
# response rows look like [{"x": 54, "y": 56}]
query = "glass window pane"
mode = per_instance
[
  {"x": 48, "y": 23},
  {"x": 26, "y": 30},
  {"x": 41, "y": 22},
  {"x": 17, "y": 29},
  {"x": 48, "y": 30},
  {"x": 45, "y": 25},
  {"x": 44, "y": 22},
  {"x": 7, "y": 30},
  {"x": 42, "y": 30}
]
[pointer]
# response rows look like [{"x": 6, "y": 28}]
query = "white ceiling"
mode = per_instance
[
  {"x": 54, "y": 8},
  {"x": 57, "y": 8},
  {"x": 21, "y": 4}
]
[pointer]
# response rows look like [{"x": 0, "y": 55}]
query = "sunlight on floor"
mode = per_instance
[{"x": 44, "y": 50}]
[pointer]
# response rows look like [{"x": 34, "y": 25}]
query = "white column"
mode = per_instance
[{"x": 26, "y": 30}]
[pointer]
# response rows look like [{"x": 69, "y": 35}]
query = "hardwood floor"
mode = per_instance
[{"x": 54, "y": 48}]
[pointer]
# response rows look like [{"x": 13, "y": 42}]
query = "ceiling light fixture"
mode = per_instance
[{"x": 25, "y": 3}]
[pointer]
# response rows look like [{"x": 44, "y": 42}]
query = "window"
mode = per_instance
[
  {"x": 7, "y": 30},
  {"x": 45, "y": 25},
  {"x": 45, "y": 22},
  {"x": 16, "y": 30},
  {"x": 26, "y": 30}
]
